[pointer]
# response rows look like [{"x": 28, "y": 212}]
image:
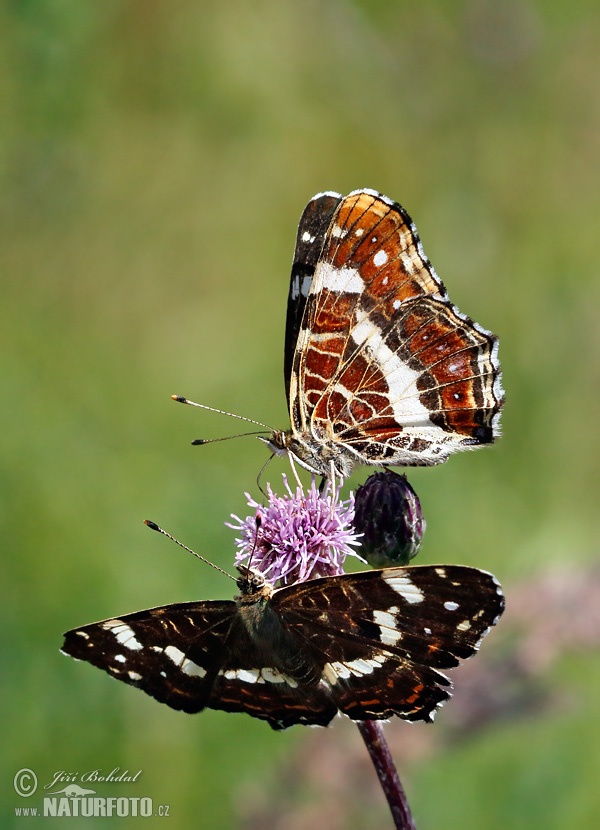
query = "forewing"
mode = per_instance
[
  {"x": 309, "y": 244},
  {"x": 172, "y": 653},
  {"x": 384, "y": 360},
  {"x": 383, "y": 636}
]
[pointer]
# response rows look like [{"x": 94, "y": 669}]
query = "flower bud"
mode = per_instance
[{"x": 388, "y": 514}]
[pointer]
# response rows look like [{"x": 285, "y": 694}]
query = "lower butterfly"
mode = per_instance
[{"x": 368, "y": 645}]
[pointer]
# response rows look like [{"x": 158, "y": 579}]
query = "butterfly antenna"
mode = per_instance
[
  {"x": 198, "y": 442},
  {"x": 154, "y": 526},
  {"x": 181, "y": 399},
  {"x": 258, "y": 522},
  {"x": 262, "y": 469}
]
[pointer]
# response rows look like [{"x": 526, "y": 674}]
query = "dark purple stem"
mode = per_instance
[{"x": 372, "y": 733}]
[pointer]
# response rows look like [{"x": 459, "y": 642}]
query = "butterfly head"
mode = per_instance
[
  {"x": 250, "y": 581},
  {"x": 315, "y": 456}
]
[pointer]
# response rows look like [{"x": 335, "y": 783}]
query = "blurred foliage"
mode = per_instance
[{"x": 154, "y": 161}]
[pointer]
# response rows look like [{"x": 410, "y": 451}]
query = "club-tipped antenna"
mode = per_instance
[
  {"x": 199, "y": 442},
  {"x": 181, "y": 399},
  {"x": 154, "y": 526}
]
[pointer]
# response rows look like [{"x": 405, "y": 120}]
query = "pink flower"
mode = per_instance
[{"x": 298, "y": 536}]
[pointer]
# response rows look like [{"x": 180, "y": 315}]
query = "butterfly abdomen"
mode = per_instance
[{"x": 279, "y": 647}]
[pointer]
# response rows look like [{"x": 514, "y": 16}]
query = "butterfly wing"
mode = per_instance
[
  {"x": 172, "y": 653},
  {"x": 309, "y": 243},
  {"x": 253, "y": 685},
  {"x": 382, "y": 637},
  {"x": 199, "y": 655},
  {"x": 385, "y": 366}
]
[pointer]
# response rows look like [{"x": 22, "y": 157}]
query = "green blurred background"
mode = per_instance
[{"x": 155, "y": 159}]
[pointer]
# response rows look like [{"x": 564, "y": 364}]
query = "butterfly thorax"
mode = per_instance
[
  {"x": 253, "y": 603},
  {"x": 279, "y": 647},
  {"x": 315, "y": 456}
]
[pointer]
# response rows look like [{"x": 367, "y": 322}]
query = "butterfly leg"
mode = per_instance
[{"x": 294, "y": 470}]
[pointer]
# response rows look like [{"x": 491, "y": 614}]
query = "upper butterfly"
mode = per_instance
[{"x": 380, "y": 367}]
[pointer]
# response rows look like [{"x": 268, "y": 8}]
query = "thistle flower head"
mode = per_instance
[{"x": 301, "y": 535}]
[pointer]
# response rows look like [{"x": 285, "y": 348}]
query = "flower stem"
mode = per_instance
[{"x": 372, "y": 734}]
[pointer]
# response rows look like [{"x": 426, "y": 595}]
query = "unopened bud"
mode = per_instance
[{"x": 388, "y": 514}]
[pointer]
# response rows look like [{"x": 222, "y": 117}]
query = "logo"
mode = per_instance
[
  {"x": 367, "y": 645},
  {"x": 380, "y": 366},
  {"x": 74, "y": 800},
  {"x": 73, "y": 791}
]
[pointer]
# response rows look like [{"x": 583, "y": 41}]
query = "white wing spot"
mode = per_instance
[
  {"x": 332, "y": 672},
  {"x": 359, "y": 231},
  {"x": 124, "y": 634},
  {"x": 451, "y": 606},
  {"x": 427, "y": 630},
  {"x": 306, "y": 237},
  {"x": 300, "y": 287},
  {"x": 380, "y": 259},
  {"x": 174, "y": 654},
  {"x": 120, "y": 658},
  {"x": 329, "y": 674},
  {"x": 272, "y": 675},
  {"x": 265, "y": 675},
  {"x": 406, "y": 588},
  {"x": 441, "y": 572},
  {"x": 386, "y": 621},
  {"x": 339, "y": 233},
  {"x": 247, "y": 675},
  {"x": 396, "y": 304},
  {"x": 133, "y": 675},
  {"x": 340, "y": 280},
  {"x": 83, "y": 634},
  {"x": 464, "y": 625},
  {"x": 193, "y": 669},
  {"x": 187, "y": 666}
]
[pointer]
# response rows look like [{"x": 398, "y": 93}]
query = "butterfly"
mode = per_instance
[
  {"x": 380, "y": 367},
  {"x": 368, "y": 645}
]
